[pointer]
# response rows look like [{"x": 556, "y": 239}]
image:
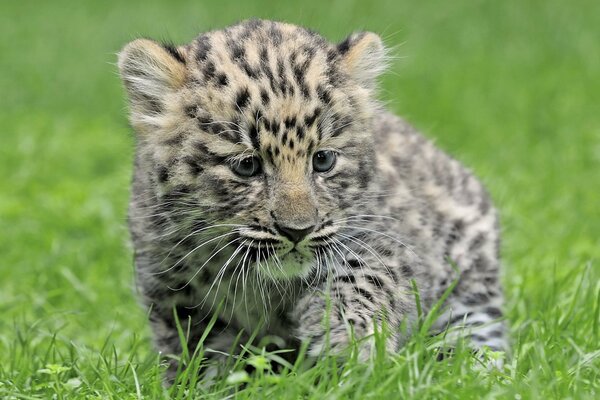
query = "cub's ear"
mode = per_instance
[
  {"x": 150, "y": 71},
  {"x": 363, "y": 57}
]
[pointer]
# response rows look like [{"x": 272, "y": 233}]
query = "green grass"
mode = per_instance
[{"x": 510, "y": 88}]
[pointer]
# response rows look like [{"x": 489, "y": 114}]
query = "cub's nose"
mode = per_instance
[{"x": 295, "y": 235}]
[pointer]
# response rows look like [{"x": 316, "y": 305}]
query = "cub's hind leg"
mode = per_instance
[
  {"x": 474, "y": 308},
  {"x": 476, "y": 316}
]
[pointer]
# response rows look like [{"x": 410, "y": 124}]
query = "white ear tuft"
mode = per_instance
[
  {"x": 149, "y": 72},
  {"x": 363, "y": 56}
]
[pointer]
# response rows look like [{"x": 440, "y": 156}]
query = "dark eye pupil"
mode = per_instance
[
  {"x": 323, "y": 160},
  {"x": 249, "y": 166}
]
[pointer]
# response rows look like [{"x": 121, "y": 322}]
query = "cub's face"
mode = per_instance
[{"x": 259, "y": 132}]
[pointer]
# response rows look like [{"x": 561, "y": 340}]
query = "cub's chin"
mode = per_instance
[{"x": 293, "y": 264}]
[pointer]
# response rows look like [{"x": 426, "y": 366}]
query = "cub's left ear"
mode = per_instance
[{"x": 363, "y": 56}]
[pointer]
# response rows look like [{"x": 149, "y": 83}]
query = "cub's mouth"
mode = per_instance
[
  {"x": 282, "y": 260},
  {"x": 279, "y": 257},
  {"x": 291, "y": 265}
]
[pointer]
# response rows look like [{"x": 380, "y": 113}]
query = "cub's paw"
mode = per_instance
[{"x": 329, "y": 331}]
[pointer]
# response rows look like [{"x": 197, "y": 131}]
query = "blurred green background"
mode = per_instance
[{"x": 512, "y": 88}]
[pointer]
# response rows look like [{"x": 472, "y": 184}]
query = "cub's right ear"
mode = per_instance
[{"x": 150, "y": 71}]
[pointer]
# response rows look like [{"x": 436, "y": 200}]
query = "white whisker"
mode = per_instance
[
  {"x": 192, "y": 251},
  {"x": 203, "y": 265}
]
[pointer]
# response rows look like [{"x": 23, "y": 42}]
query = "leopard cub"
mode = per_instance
[{"x": 274, "y": 195}]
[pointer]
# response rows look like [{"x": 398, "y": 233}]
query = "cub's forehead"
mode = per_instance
[
  {"x": 251, "y": 45},
  {"x": 263, "y": 52},
  {"x": 274, "y": 82}
]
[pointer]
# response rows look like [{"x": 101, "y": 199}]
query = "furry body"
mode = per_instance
[{"x": 265, "y": 250}]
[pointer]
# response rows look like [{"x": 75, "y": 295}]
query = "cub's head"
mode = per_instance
[{"x": 263, "y": 127}]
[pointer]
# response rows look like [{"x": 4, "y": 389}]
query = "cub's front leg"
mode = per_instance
[
  {"x": 351, "y": 304},
  {"x": 220, "y": 337}
]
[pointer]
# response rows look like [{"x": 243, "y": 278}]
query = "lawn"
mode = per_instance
[{"x": 512, "y": 88}]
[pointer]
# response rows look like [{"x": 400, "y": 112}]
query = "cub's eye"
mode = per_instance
[
  {"x": 246, "y": 167},
  {"x": 324, "y": 160}
]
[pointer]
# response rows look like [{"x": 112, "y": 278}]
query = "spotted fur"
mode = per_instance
[{"x": 212, "y": 245}]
